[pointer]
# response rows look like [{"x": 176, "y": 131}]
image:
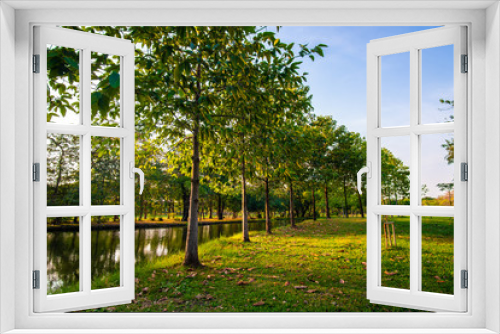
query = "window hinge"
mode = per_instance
[
  {"x": 464, "y": 174},
  {"x": 465, "y": 279},
  {"x": 465, "y": 64},
  {"x": 36, "y": 279},
  {"x": 36, "y": 63},
  {"x": 36, "y": 172}
]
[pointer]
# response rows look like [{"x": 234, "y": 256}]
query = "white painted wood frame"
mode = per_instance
[
  {"x": 86, "y": 43},
  {"x": 483, "y": 20},
  {"x": 414, "y": 43}
]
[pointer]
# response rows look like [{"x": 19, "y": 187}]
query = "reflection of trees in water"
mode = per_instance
[
  {"x": 105, "y": 248},
  {"x": 63, "y": 264},
  {"x": 150, "y": 245}
]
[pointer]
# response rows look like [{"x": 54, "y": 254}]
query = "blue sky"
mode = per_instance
[{"x": 338, "y": 86}]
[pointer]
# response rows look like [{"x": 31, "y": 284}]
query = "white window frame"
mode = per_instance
[
  {"x": 86, "y": 43},
  {"x": 483, "y": 123},
  {"x": 413, "y": 44}
]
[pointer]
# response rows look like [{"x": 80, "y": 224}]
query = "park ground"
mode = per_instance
[{"x": 320, "y": 266}]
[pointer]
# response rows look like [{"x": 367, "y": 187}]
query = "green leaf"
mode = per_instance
[
  {"x": 114, "y": 79},
  {"x": 72, "y": 62},
  {"x": 177, "y": 73}
]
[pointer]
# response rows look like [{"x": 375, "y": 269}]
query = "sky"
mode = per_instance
[{"x": 338, "y": 86}]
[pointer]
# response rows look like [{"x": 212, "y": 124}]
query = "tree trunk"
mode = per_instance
[
  {"x": 346, "y": 213},
  {"x": 191, "y": 258},
  {"x": 292, "y": 221},
  {"x": 360, "y": 201},
  {"x": 268, "y": 218},
  {"x": 59, "y": 172},
  {"x": 246, "y": 237},
  {"x": 220, "y": 209},
  {"x": 326, "y": 201},
  {"x": 314, "y": 204},
  {"x": 185, "y": 203},
  {"x": 210, "y": 213}
]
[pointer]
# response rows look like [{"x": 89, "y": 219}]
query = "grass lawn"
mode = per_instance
[{"x": 318, "y": 267}]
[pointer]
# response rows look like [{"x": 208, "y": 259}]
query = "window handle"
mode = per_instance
[
  {"x": 368, "y": 171},
  {"x": 134, "y": 170}
]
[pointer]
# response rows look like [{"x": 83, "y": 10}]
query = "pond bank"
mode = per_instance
[{"x": 154, "y": 224}]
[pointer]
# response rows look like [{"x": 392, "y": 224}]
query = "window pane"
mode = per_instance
[
  {"x": 105, "y": 248},
  {"x": 395, "y": 248},
  {"x": 105, "y": 171},
  {"x": 395, "y": 170},
  {"x": 63, "y": 87},
  {"x": 437, "y": 85},
  {"x": 395, "y": 90},
  {"x": 63, "y": 170},
  {"x": 105, "y": 89},
  {"x": 63, "y": 255},
  {"x": 437, "y": 175},
  {"x": 437, "y": 254}
]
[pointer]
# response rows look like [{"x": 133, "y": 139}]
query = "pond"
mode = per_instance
[{"x": 150, "y": 244}]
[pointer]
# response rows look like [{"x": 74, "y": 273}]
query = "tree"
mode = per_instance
[{"x": 448, "y": 188}]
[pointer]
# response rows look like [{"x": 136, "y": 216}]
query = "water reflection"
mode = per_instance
[{"x": 150, "y": 245}]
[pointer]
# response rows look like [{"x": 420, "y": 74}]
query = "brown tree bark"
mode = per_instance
[
  {"x": 246, "y": 236},
  {"x": 326, "y": 201},
  {"x": 185, "y": 204},
  {"x": 220, "y": 208},
  {"x": 268, "y": 218},
  {"x": 191, "y": 258},
  {"x": 346, "y": 211},
  {"x": 314, "y": 204},
  {"x": 292, "y": 221}
]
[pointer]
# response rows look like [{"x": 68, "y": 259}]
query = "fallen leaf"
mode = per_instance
[
  {"x": 146, "y": 303},
  {"x": 287, "y": 283},
  {"x": 298, "y": 287},
  {"x": 363, "y": 263},
  {"x": 390, "y": 273},
  {"x": 341, "y": 281},
  {"x": 242, "y": 283},
  {"x": 145, "y": 290},
  {"x": 259, "y": 303},
  {"x": 311, "y": 291}
]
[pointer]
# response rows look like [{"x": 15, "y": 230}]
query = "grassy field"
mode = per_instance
[{"x": 318, "y": 267}]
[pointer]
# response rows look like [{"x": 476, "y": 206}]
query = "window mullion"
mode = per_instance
[
  {"x": 85, "y": 236},
  {"x": 414, "y": 169}
]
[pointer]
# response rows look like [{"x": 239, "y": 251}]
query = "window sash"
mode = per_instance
[
  {"x": 414, "y": 298},
  {"x": 86, "y": 297}
]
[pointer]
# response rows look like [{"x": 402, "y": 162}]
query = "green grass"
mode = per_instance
[
  {"x": 318, "y": 267},
  {"x": 437, "y": 255}
]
